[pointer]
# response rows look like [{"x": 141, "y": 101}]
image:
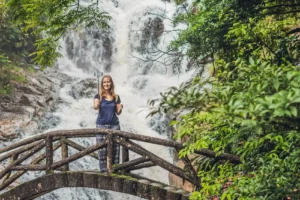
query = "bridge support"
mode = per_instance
[{"x": 117, "y": 183}]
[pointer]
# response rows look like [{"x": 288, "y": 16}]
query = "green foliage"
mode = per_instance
[
  {"x": 13, "y": 43},
  {"x": 252, "y": 110},
  {"x": 8, "y": 74},
  {"x": 231, "y": 29},
  {"x": 15, "y": 47},
  {"x": 250, "y": 106},
  {"x": 51, "y": 19}
]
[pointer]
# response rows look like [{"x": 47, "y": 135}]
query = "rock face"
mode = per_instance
[
  {"x": 25, "y": 110},
  {"x": 179, "y": 182},
  {"x": 84, "y": 88},
  {"x": 175, "y": 180},
  {"x": 82, "y": 52}
]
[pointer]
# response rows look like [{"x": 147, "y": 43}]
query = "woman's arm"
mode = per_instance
[
  {"x": 96, "y": 104},
  {"x": 119, "y": 109}
]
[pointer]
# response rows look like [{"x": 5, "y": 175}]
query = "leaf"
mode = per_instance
[{"x": 293, "y": 111}]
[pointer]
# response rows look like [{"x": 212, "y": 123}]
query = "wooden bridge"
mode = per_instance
[{"x": 119, "y": 179}]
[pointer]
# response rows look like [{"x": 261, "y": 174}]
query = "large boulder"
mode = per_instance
[{"x": 23, "y": 111}]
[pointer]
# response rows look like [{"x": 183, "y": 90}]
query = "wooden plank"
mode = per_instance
[
  {"x": 78, "y": 155},
  {"x": 125, "y": 152},
  {"x": 22, "y": 142},
  {"x": 141, "y": 166},
  {"x": 131, "y": 163},
  {"x": 94, "y": 132},
  {"x": 79, "y": 147},
  {"x": 19, "y": 151},
  {"x": 49, "y": 153},
  {"x": 29, "y": 167},
  {"x": 110, "y": 148},
  {"x": 12, "y": 159},
  {"x": 20, "y": 160},
  {"x": 157, "y": 160},
  {"x": 35, "y": 161},
  {"x": 191, "y": 169},
  {"x": 64, "y": 153}
]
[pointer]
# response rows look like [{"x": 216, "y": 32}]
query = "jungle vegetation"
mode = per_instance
[{"x": 249, "y": 106}]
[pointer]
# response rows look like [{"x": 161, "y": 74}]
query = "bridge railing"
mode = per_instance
[{"x": 31, "y": 147}]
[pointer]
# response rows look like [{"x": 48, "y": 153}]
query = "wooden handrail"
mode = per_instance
[
  {"x": 157, "y": 160},
  {"x": 20, "y": 160},
  {"x": 25, "y": 149},
  {"x": 19, "y": 174},
  {"x": 123, "y": 134},
  {"x": 49, "y": 153},
  {"x": 64, "y": 152},
  {"x": 78, "y": 155}
]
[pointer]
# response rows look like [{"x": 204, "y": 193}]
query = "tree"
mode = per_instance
[
  {"x": 234, "y": 28},
  {"x": 51, "y": 19},
  {"x": 250, "y": 105},
  {"x": 252, "y": 113}
]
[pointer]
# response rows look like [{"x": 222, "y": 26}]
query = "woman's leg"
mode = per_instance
[{"x": 103, "y": 151}]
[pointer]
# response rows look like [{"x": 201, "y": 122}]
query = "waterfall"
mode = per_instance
[{"x": 139, "y": 31}]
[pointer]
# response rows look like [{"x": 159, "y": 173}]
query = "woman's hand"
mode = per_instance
[
  {"x": 119, "y": 108},
  {"x": 96, "y": 104}
]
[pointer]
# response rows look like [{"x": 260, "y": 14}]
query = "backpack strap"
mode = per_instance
[{"x": 116, "y": 98}]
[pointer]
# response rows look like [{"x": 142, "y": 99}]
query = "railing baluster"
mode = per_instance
[
  {"x": 109, "y": 153},
  {"x": 18, "y": 174},
  {"x": 13, "y": 158},
  {"x": 64, "y": 153},
  {"x": 49, "y": 153},
  {"x": 125, "y": 152}
]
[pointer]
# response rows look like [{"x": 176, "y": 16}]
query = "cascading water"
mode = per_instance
[{"x": 137, "y": 28}]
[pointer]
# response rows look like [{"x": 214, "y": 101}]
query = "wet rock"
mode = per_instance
[
  {"x": 107, "y": 53},
  {"x": 70, "y": 47},
  {"x": 116, "y": 3},
  {"x": 153, "y": 29},
  {"x": 27, "y": 89},
  {"x": 84, "y": 88},
  {"x": 92, "y": 38},
  {"x": 6, "y": 137},
  {"x": 22, "y": 111},
  {"x": 160, "y": 124},
  {"x": 26, "y": 100},
  {"x": 48, "y": 121},
  {"x": 74, "y": 93}
]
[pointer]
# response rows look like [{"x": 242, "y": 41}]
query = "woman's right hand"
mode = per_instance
[{"x": 96, "y": 104}]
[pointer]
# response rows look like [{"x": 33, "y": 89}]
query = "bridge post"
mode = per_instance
[
  {"x": 49, "y": 153},
  {"x": 109, "y": 153},
  {"x": 64, "y": 153},
  {"x": 125, "y": 152}
]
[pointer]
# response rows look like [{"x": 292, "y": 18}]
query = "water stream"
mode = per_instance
[{"x": 138, "y": 30}]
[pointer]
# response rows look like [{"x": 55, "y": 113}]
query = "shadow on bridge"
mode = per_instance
[{"x": 59, "y": 176}]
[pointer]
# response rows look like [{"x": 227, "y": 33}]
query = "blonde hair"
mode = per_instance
[{"x": 112, "y": 88}]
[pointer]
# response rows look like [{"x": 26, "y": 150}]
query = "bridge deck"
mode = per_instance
[{"x": 114, "y": 182}]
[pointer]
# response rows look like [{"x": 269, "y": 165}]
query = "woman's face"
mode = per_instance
[{"x": 106, "y": 83}]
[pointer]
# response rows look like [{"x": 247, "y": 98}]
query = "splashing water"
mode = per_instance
[{"x": 136, "y": 27}]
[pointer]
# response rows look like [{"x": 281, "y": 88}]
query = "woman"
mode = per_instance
[{"x": 109, "y": 106}]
